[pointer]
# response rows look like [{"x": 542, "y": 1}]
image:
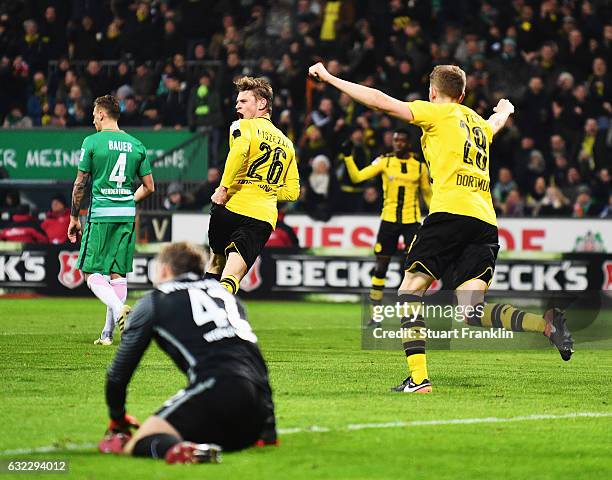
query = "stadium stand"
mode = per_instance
[{"x": 172, "y": 63}]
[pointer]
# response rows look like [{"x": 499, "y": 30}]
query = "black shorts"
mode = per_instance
[
  {"x": 228, "y": 411},
  {"x": 388, "y": 236},
  {"x": 467, "y": 245},
  {"x": 232, "y": 232}
]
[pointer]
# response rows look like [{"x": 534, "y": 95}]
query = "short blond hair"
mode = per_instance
[
  {"x": 260, "y": 87},
  {"x": 183, "y": 257},
  {"x": 449, "y": 80}
]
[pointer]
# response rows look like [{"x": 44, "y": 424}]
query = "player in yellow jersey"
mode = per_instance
[
  {"x": 405, "y": 179},
  {"x": 260, "y": 170},
  {"x": 461, "y": 229}
]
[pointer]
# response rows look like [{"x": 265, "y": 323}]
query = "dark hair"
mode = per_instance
[
  {"x": 402, "y": 131},
  {"x": 110, "y": 104},
  {"x": 60, "y": 198},
  {"x": 183, "y": 257},
  {"x": 260, "y": 87},
  {"x": 449, "y": 80}
]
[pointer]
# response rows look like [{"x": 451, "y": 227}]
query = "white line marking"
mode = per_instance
[{"x": 351, "y": 427}]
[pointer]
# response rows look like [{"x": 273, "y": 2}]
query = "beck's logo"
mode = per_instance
[
  {"x": 252, "y": 280},
  {"x": 69, "y": 275}
]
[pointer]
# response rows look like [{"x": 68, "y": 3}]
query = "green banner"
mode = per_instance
[{"x": 54, "y": 154}]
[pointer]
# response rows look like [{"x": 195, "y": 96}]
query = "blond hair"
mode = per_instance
[
  {"x": 449, "y": 80},
  {"x": 183, "y": 257},
  {"x": 260, "y": 87}
]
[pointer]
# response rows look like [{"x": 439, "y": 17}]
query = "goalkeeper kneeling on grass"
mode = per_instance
[{"x": 227, "y": 404}]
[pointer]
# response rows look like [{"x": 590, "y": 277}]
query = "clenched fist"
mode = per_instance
[
  {"x": 319, "y": 72},
  {"x": 504, "y": 106}
]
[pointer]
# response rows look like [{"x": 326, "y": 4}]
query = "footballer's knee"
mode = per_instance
[
  {"x": 152, "y": 426},
  {"x": 470, "y": 296},
  {"x": 415, "y": 283}
]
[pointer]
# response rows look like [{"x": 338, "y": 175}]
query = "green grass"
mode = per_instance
[{"x": 53, "y": 377}]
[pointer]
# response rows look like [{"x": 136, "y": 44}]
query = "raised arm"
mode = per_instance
[
  {"x": 358, "y": 176},
  {"x": 502, "y": 110},
  {"x": 370, "y": 97}
]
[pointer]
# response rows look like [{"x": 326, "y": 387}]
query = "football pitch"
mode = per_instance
[{"x": 493, "y": 414}]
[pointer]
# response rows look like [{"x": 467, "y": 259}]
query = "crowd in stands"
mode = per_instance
[{"x": 174, "y": 62}]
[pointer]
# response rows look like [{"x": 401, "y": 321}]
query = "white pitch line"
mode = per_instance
[{"x": 352, "y": 427}]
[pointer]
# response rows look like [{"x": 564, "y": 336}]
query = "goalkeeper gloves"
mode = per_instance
[{"x": 125, "y": 425}]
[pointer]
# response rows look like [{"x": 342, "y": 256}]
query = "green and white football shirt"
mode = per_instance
[{"x": 114, "y": 160}]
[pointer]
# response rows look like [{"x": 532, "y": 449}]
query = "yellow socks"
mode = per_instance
[
  {"x": 506, "y": 316},
  {"x": 231, "y": 283}
]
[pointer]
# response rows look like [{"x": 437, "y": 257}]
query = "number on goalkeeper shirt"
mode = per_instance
[{"x": 118, "y": 173}]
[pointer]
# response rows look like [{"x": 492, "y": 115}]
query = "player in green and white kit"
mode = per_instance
[{"x": 113, "y": 159}]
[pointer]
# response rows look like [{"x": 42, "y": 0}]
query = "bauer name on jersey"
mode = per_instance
[
  {"x": 114, "y": 160},
  {"x": 260, "y": 170},
  {"x": 455, "y": 144}
]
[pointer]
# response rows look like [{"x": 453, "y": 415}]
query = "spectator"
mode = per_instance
[
  {"x": 82, "y": 40},
  {"x": 23, "y": 228},
  {"x": 572, "y": 184},
  {"x": 56, "y": 220},
  {"x": 173, "y": 40},
  {"x": 320, "y": 189},
  {"x": 514, "y": 205},
  {"x": 584, "y": 206},
  {"x": 204, "y": 192},
  {"x": 33, "y": 49},
  {"x": 555, "y": 204},
  {"x": 174, "y": 103},
  {"x": 98, "y": 83},
  {"x": 591, "y": 151},
  {"x": 130, "y": 116},
  {"x": 504, "y": 185},
  {"x": 60, "y": 115},
  {"x": 16, "y": 119},
  {"x": 176, "y": 199},
  {"x": 536, "y": 196},
  {"x": 559, "y": 171},
  {"x": 143, "y": 82},
  {"x": 204, "y": 112},
  {"x": 53, "y": 34},
  {"x": 371, "y": 201},
  {"x": 607, "y": 211}
]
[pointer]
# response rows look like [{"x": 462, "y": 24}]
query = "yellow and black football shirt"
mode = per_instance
[
  {"x": 402, "y": 179},
  {"x": 455, "y": 144},
  {"x": 260, "y": 169}
]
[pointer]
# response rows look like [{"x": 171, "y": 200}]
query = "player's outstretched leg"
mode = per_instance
[{"x": 497, "y": 315}]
